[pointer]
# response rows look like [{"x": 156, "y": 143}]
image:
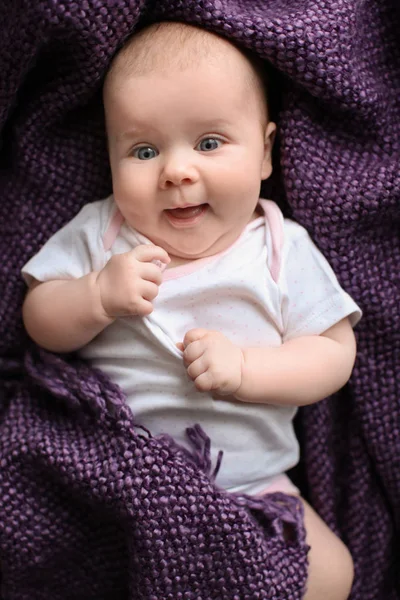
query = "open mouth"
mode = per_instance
[{"x": 187, "y": 215}]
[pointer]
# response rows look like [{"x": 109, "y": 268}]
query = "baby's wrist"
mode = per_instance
[
  {"x": 240, "y": 392},
  {"x": 99, "y": 311}
]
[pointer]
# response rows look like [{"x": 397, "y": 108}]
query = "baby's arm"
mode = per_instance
[
  {"x": 64, "y": 315},
  {"x": 300, "y": 371}
]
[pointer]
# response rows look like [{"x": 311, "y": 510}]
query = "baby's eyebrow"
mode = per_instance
[
  {"x": 136, "y": 128},
  {"x": 214, "y": 123},
  {"x": 206, "y": 125},
  {"x": 130, "y": 133}
]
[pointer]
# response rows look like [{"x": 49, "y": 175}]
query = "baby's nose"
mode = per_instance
[{"x": 178, "y": 170}]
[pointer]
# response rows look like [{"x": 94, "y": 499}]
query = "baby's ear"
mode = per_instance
[{"x": 269, "y": 138}]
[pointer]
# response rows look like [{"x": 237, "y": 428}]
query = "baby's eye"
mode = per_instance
[
  {"x": 145, "y": 153},
  {"x": 209, "y": 144}
]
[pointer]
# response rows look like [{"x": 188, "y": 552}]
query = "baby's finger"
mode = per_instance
[
  {"x": 197, "y": 368},
  {"x": 149, "y": 290},
  {"x": 150, "y": 252},
  {"x": 193, "y": 335},
  {"x": 204, "y": 382},
  {"x": 144, "y": 308},
  {"x": 193, "y": 351},
  {"x": 151, "y": 272}
]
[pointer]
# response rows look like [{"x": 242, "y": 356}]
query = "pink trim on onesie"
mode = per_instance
[
  {"x": 272, "y": 215},
  {"x": 190, "y": 267},
  {"x": 281, "y": 483},
  {"x": 113, "y": 230},
  {"x": 194, "y": 265}
]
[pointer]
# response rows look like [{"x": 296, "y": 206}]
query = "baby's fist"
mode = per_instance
[
  {"x": 213, "y": 362},
  {"x": 129, "y": 282}
]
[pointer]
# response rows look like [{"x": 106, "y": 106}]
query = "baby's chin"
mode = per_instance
[{"x": 179, "y": 257}]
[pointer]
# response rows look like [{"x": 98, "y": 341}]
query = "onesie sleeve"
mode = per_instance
[
  {"x": 312, "y": 299},
  {"x": 73, "y": 251}
]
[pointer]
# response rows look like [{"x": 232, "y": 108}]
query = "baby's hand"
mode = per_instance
[
  {"x": 213, "y": 362},
  {"x": 129, "y": 282}
]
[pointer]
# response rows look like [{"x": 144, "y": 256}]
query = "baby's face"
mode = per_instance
[{"x": 188, "y": 150}]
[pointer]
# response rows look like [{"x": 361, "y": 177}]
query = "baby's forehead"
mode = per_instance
[{"x": 167, "y": 47}]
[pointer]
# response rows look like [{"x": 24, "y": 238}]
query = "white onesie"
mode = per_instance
[{"x": 270, "y": 286}]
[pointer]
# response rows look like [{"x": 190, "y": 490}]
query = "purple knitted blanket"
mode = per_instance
[{"x": 91, "y": 510}]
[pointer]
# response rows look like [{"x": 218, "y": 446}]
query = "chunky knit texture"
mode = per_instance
[{"x": 89, "y": 508}]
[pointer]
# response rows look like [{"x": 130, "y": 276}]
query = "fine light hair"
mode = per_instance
[{"x": 168, "y": 45}]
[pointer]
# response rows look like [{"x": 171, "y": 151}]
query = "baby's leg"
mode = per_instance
[{"x": 330, "y": 575}]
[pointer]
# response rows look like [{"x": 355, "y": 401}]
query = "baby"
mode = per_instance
[{"x": 199, "y": 299}]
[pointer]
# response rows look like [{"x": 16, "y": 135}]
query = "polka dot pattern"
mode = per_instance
[{"x": 89, "y": 507}]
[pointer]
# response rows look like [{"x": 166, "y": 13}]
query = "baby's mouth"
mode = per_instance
[{"x": 186, "y": 213}]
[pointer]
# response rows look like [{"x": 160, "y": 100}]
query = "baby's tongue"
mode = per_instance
[{"x": 186, "y": 213}]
